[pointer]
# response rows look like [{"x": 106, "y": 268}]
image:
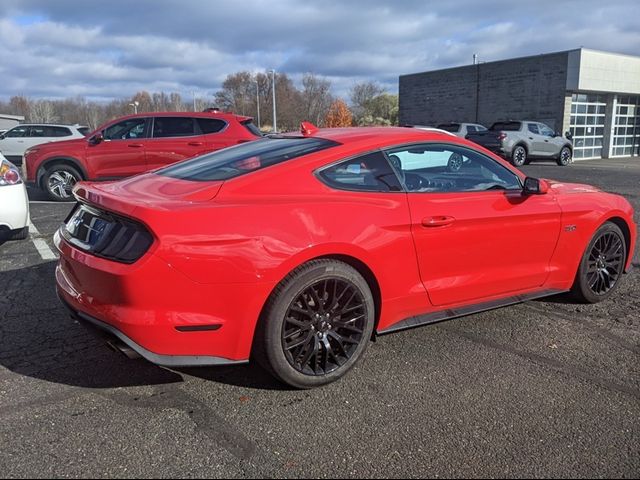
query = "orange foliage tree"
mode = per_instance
[{"x": 338, "y": 115}]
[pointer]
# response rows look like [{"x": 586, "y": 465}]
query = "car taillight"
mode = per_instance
[
  {"x": 502, "y": 136},
  {"x": 9, "y": 175},
  {"x": 106, "y": 235}
]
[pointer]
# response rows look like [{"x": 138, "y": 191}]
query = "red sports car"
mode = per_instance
[{"x": 295, "y": 250}]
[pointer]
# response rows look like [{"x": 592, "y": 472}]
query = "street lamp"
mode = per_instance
[
  {"x": 135, "y": 106},
  {"x": 258, "y": 101},
  {"x": 273, "y": 82}
]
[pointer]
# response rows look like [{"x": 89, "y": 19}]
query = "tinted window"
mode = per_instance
[
  {"x": 450, "y": 168},
  {"x": 238, "y": 160},
  {"x": 59, "y": 132},
  {"x": 131, "y": 128},
  {"x": 248, "y": 124},
  {"x": 546, "y": 131},
  {"x": 173, "y": 127},
  {"x": 449, "y": 127},
  {"x": 471, "y": 129},
  {"x": 84, "y": 130},
  {"x": 210, "y": 125},
  {"x": 533, "y": 128},
  {"x": 370, "y": 172},
  {"x": 17, "y": 132},
  {"x": 507, "y": 126}
]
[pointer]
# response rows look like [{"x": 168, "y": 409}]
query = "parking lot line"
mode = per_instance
[{"x": 43, "y": 249}]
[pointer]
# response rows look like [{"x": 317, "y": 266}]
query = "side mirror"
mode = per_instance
[
  {"x": 568, "y": 135},
  {"x": 535, "y": 186},
  {"x": 96, "y": 139},
  {"x": 2, "y": 136}
]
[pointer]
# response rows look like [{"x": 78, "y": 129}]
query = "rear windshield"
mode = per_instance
[
  {"x": 235, "y": 161},
  {"x": 449, "y": 127},
  {"x": 248, "y": 124},
  {"x": 84, "y": 131},
  {"x": 508, "y": 126}
]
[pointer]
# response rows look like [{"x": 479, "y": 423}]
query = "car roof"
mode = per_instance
[
  {"x": 220, "y": 115},
  {"x": 381, "y": 135},
  {"x": 49, "y": 125}
]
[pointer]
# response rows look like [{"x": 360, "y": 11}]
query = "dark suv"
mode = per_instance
[{"x": 131, "y": 145}]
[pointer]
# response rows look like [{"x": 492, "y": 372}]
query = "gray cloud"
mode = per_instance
[{"x": 113, "y": 49}]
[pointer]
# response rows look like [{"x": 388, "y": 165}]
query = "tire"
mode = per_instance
[
  {"x": 316, "y": 325},
  {"x": 601, "y": 266},
  {"x": 58, "y": 182},
  {"x": 19, "y": 234},
  {"x": 565, "y": 157},
  {"x": 519, "y": 156},
  {"x": 455, "y": 162}
]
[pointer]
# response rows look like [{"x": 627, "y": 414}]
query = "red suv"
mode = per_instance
[{"x": 131, "y": 145}]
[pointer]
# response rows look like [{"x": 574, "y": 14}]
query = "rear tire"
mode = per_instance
[
  {"x": 316, "y": 325},
  {"x": 59, "y": 180},
  {"x": 602, "y": 265},
  {"x": 519, "y": 156}
]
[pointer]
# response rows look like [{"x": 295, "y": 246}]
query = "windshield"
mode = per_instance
[
  {"x": 449, "y": 127},
  {"x": 248, "y": 157}
]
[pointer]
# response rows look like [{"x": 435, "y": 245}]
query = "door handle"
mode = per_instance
[
  {"x": 135, "y": 145},
  {"x": 437, "y": 221},
  {"x": 547, "y": 141},
  {"x": 195, "y": 144},
  {"x": 530, "y": 138}
]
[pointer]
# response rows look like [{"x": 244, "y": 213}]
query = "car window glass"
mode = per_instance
[
  {"x": 480, "y": 128},
  {"x": 39, "y": 131},
  {"x": 17, "y": 132},
  {"x": 131, "y": 128},
  {"x": 471, "y": 129},
  {"x": 450, "y": 168},
  {"x": 59, "y": 131},
  {"x": 533, "y": 128},
  {"x": 210, "y": 125},
  {"x": 370, "y": 172},
  {"x": 84, "y": 130},
  {"x": 546, "y": 131},
  {"x": 164, "y": 127}
]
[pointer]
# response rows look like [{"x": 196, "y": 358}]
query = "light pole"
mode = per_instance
[
  {"x": 193, "y": 92},
  {"x": 273, "y": 82},
  {"x": 135, "y": 106},
  {"x": 258, "y": 101}
]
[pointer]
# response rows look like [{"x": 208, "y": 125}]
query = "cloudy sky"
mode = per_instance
[{"x": 111, "y": 48}]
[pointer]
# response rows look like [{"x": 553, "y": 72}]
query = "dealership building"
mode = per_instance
[{"x": 592, "y": 94}]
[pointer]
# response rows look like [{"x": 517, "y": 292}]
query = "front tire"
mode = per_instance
[
  {"x": 601, "y": 266},
  {"x": 519, "y": 156},
  {"x": 565, "y": 157},
  {"x": 316, "y": 325},
  {"x": 59, "y": 180}
]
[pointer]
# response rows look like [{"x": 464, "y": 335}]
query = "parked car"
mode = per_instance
[
  {"x": 294, "y": 250},
  {"x": 14, "y": 142},
  {"x": 462, "y": 129},
  {"x": 131, "y": 145},
  {"x": 14, "y": 203},
  {"x": 521, "y": 141}
]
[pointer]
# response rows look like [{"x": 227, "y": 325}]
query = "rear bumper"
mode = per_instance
[
  {"x": 164, "y": 360},
  {"x": 157, "y": 311}
]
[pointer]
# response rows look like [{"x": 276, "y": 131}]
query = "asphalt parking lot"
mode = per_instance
[{"x": 545, "y": 389}]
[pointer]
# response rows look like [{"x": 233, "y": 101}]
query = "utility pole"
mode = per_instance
[
  {"x": 258, "y": 101},
  {"x": 193, "y": 92},
  {"x": 273, "y": 82}
]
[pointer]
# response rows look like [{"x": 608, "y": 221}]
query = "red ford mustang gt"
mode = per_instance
[{"x": 295, "y": 250}]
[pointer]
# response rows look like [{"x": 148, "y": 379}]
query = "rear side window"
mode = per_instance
[
  {"x": 507, "y": 126},
  {"x": 210, "y": 125},
  {"x": 247, "y": 157},
  {"x": 471, "y": 129},
  {"x": 59, "y": 132},
  {"x": 371, "y": 173},
  {"x": 449, "y": 127},
  {"x": 164, "y": 127},
  {"x": 84, "y": 130},
  {"x": 248, "y": 124}
]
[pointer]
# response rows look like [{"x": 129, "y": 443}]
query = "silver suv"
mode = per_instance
[
  {"x": 519, "y": 141},
  {"x": 14, "y": 142},
  {"x": 462, "y": 129}
]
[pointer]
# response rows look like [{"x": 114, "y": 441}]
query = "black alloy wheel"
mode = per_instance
[
  {"x": 316, "y": 325},
  {"x": 602, "y": 264},
  {"x": 565, "y": 157},
  {"x": 323, "y": 326},
  {"x": 519, "y": 156}
]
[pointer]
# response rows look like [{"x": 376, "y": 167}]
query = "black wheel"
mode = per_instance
[
  {"x": 565, "y": 157},
  {"x": 519, "y": 156},
  {"x": 316, "y": 325},
  {"x": 59, "y": 180},
  {"x": 19, "y": 234},
  {"x": 602, "y": 265}
]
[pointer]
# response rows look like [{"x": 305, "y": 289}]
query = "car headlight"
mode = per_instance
[{"x": 9, "y": 174}]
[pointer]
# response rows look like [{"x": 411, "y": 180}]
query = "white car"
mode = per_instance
[
  {"x": 14, "y": 203},
  {"x": 15, "y": 141}
]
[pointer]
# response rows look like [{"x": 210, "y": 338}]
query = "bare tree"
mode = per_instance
[
  {"x": 316, "y": 98},
  {"x": 361, "y": 95},
  {"x": 42, "y": 111}
]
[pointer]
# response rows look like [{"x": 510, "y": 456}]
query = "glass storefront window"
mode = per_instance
[
  {"x": 626, "y": 127},
  {"x": 587, "y": 124}
]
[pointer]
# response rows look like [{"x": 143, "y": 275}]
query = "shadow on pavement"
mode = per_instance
[{"x": 39, "y": 339}]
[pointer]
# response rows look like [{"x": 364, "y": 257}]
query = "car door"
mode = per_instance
[
  {"x": 476, "y": 235},
  {"x": 174, "y": 138},
  {"x": 552, "y": 144},
  {"x": 121, "y": 152},
  {"x": 13, "y": 141},
  {"x": 536, "y": 141}
]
